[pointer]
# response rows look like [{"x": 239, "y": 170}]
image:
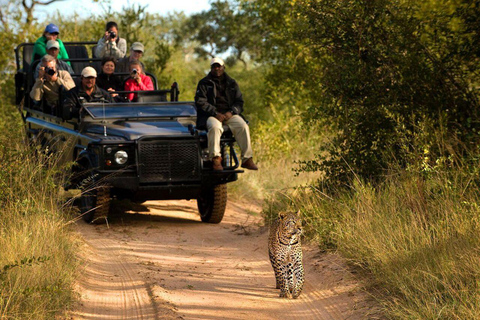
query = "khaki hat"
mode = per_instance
[
  {"x": 52, "y": 44},
  {"x": 89, "y": 72},
  {"x": 217, "y": 60},
  {"x": 137, "y": 46}
]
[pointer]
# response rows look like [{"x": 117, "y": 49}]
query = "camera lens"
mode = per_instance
[
  {"x": 112, "y": 34},
  {"x": 50, "y": 71},
  {"x": 134, "y": 71}
]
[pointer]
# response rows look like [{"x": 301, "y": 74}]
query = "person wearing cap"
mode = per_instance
[
  {"x": 87, "y": 91},
  {"x": 40, "y": 47},
  {"x": 136, "y": 53},
  {"x": 219, "y": 102},
  {"x": 111, "y": 45},
  {"x": 47, "y": 84},
  {"x": 137, "y": 81},
  {"x": 53, "y": 48}
]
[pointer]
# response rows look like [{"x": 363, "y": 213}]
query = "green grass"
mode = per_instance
[{"x": 37, "y": 257}]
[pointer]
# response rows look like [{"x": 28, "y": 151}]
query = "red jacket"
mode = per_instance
[{"x": 132, "y": 85}]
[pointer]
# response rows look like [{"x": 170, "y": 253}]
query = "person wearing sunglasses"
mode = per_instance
[{"x": 40, "y": 48}]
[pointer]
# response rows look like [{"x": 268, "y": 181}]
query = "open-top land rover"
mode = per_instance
[{"x": 148, "y": 149}]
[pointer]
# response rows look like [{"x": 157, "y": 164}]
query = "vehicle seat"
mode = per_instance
[
  {"x": 152, "y": 96},
  {"x": 77, "y": 52},
  {"x": 27, "y": 57}
]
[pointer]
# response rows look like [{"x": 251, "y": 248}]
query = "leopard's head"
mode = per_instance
[{"x": 290, "y": 224}]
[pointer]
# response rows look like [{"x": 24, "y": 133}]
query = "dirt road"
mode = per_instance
[{"x": 161, "y": 262}]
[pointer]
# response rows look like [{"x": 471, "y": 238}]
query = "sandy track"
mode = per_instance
[{"x": 161, "y": 262}]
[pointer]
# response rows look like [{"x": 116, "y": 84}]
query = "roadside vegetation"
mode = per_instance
[
  {"x": 37, "y": 260},
  {"x": 364, "y": 116}
]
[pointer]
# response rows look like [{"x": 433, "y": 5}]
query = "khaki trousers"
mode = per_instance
[{"x": 239, "y": 129}]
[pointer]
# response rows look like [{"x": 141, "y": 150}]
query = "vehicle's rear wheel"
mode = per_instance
[
  {"x": 212, "y": 203},
  {"x": 94, "y": 202}
]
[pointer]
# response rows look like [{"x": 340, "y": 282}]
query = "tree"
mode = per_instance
[
  {"x": 226, "y": 27},
  {"x": 375, "y": 72}
]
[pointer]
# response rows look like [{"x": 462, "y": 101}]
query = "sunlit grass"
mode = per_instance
[
  {"x": 278, "y": 144},
  {"x": 37, "y": 260},
  {"x": 417, "y": 236}
]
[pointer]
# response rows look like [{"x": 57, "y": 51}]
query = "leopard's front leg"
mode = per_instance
[{"x": 299, "y": 279}]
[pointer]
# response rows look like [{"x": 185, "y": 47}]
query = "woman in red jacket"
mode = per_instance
[{"x": 138, "y": 81}]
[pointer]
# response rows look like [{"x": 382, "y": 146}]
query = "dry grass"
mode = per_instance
[
  {"x": 278, "y": 144},
  {"x": 417, "y": 236},
  {"x": 37, "y": 260}
]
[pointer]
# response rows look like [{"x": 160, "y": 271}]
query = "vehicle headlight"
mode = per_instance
[{"x": 121, "y": 157}]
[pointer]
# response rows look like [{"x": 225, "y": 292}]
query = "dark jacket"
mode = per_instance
[
  {"x": 205, "y": 99},
  {"x": 77, "y": 96},
  {"x": 106, "y": 81}
]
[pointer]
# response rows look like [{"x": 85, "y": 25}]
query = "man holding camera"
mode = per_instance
[
  {"x": 47, "y": 84},
  {"x": 111, "y": 45},
  {"x": 138, "y": 81}
]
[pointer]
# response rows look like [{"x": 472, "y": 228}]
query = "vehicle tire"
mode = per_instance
[
  {"x": 212, "y": 203},
  {"x": 95, "y": 203}
]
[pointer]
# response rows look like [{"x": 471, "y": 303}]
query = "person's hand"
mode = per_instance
[
  {"x": 112, "y": 94},
  {"x": 41, "y": 72},
  {"x": 138, "y": 79},
  {"x": 107, "y": 35},
  {"x": 228, "y": 115},
  {"x": 52, "y": 78},
  {"x": 220, "y": 117}
]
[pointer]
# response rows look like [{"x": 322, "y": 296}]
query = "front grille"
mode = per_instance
[{"x": 168, "y": 161}]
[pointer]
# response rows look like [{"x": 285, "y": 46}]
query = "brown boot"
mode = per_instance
[
  {"x": 249, "y": 164},
  {"x": 217, "y": 163}
]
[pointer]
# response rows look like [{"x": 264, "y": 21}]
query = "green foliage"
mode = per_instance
[
  {"x": 372, "y": 70},
  {"x": 226, "y": 27}
]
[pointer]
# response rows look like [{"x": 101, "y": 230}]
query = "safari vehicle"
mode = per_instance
[{"x": 148, "y": 149}]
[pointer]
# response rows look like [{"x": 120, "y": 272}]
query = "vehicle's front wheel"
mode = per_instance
[
  {"x": 212, "y": 203},
  {"x": 95, "y": 203}
]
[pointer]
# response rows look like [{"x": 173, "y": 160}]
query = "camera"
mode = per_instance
[
  {"x": 112, "y": 34},
  {"x": 134, "y": 72},
  {"x": 49, "y": 71}
]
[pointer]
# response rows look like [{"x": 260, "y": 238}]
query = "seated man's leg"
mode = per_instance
[
  {"x": 215, "y": 130},
  {"x": 241, "y": 132}
]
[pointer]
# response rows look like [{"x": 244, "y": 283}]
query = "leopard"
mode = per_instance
[{"x": 285, "y": 252}]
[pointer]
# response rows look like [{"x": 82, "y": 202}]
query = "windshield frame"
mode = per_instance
[{"x": 91, "y": 110}]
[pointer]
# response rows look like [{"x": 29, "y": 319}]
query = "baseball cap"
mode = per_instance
[
  {"x": 89, "y": 72},
  {"x": 137, "y": 46},
  {"x": 52, "y": 28},
  {"x": 217, "y": 60},
  {"x": 52, "y": 44}
]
